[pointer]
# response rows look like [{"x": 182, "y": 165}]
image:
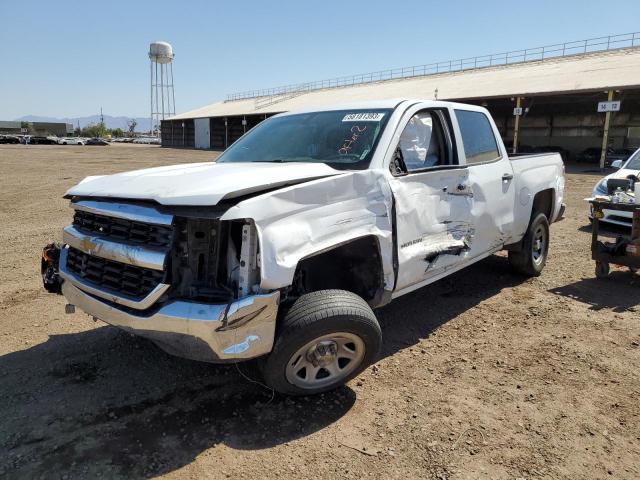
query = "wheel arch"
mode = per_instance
[
  {"x": 354, "y": 265},
  {"x": 543, "y": 202}
]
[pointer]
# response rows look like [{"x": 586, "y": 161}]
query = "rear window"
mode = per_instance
[{"x": 477, "y": 137}]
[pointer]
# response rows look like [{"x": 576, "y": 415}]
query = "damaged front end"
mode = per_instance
[
  {"x": 49, "y": 268},
  {"x": 181, "y": 277}
]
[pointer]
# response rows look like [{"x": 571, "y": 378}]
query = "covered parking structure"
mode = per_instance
[{"x": 540, "y": 98}]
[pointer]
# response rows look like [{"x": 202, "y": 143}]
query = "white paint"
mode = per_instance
[
  {"x": 446, "y": 218},
  {"x": 199, "y": 183},
  {"x": 610, "y": 215},
  {"x": 302, "y": 220},
  {"x": 202, "y": 133}
]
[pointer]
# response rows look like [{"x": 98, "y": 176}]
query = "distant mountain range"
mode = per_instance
[{"x": 110, "y": 122}]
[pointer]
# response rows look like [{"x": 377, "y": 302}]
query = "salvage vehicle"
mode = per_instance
[
  {"x": 625, "y": 170},
  {"x": 97, "y": 141},
  {"x": 71, "y": 141},
  {"x": 282, "y": 248}
]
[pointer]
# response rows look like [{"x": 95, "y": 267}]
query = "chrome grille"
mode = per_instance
[
  {"x": 116, "y": 277},
  {"x": 121, "y": 229}
]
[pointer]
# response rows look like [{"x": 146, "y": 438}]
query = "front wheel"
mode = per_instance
[
  {"x": 325, "y": 339},
  {"x": 531, "y": 259}
]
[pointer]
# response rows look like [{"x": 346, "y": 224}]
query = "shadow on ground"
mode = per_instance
[
  {"x": 618, "y": 292},
  {"x": 415, "y": 316},
  {"x": 103, "y": 402}
]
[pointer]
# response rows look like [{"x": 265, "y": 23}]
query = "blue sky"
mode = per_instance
[{"x": 70, "y": 58}]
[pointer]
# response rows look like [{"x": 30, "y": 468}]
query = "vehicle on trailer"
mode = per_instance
[
  {"x": 628, "y": 170},
  {"x": 282, "y": 249}
]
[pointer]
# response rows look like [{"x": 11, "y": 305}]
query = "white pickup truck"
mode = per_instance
[{"x": 282, "y": 248}]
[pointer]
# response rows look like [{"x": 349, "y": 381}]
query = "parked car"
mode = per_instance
[
  {"x": 96, "y": 141},
  {"x": 9, "y": 139},
  {"x": 621, "y": 154},
  {"x": 281, "y": 248},
  {"x": 629, "y": 169},
  {"x": 147, "y": 140},
  {"x": 38, "y": 140},
  {"x": 71, "y": 141},
  {"x": 592, "y": 155}
]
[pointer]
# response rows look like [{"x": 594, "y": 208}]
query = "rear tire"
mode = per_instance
[
  {"x": 531, "y": 259},
  {"x": 325, "y": 339}
]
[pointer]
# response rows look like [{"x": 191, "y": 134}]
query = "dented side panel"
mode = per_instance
[
  {"x": 493, "y": 203},
  {"x": 435, "y": 228},
  {"x": 299, "y": 221}
]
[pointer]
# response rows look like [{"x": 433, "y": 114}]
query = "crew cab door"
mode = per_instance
[
  {"x": 490, "y": 179},
  {"x": 432, "y": 203}
]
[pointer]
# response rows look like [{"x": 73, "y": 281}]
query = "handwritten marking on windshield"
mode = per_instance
[{"x": 356, "y": 131}]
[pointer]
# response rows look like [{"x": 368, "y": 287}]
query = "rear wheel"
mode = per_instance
[
  {"x": 325, "y": 339},
  {"x": 531, "y": 259}
]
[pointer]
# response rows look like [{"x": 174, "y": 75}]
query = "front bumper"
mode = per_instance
[
  {"x": 615, "y": 217},
  {"x": 239, "y": 330}
]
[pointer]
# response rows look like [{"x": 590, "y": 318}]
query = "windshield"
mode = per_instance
[
  {"x": 634, "y": 161},
  {"x": 343, "y": 139}
]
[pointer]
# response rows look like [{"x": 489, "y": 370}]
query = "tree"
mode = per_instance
[
  {"x": 117, "y": 132},
  {"x": 132, "y": 124},
  {"x": 95, "y": 130},
  {"x": 28, "y": 126}
]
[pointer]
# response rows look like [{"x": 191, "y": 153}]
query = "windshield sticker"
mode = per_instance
[
  {"x": 363, "y": 117},
  {"x": 356, "y": 131}
]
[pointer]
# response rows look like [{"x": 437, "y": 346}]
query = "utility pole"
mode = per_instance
[
  {"x": 605, "y": 137},
  {"x": 516, "y": 129}
]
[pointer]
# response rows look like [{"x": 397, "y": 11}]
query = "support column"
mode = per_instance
[
  {"x": 605, "y": 137},
  {"x": 226, "y": 132},
  {"x": 516, "y": 128}
]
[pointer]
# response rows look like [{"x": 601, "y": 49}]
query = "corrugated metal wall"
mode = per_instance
[
  {"x": 223, "y": 131},
  {"x": 178, "y": 133}
]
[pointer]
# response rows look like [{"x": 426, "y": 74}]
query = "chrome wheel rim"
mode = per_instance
[
  {"x": 325, "y": 360},
  {"x": 539, "y": 246}
]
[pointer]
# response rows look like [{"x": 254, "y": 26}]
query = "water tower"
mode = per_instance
[{"x": 163, "y": 100}]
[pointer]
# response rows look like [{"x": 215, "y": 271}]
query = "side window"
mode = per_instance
[
  {"x": 477, "y": 137},
  {"x": 422, "y": 142}
]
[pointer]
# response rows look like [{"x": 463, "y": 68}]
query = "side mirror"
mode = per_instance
[{"x": 617, "y": 164}]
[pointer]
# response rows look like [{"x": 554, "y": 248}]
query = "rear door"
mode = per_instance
[
  {"x": 433, "y": 206},
  {"x": 490, "y": 179}
]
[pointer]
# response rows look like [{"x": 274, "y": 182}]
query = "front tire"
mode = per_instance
[
  {"x": 531, "y": 259},
  {"x": 325, "y": 339}
]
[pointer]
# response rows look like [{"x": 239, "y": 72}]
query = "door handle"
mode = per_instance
[{"x": 507, "y": 176}]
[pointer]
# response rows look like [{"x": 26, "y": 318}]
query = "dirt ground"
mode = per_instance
[{"x": 483, "y": 375}]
